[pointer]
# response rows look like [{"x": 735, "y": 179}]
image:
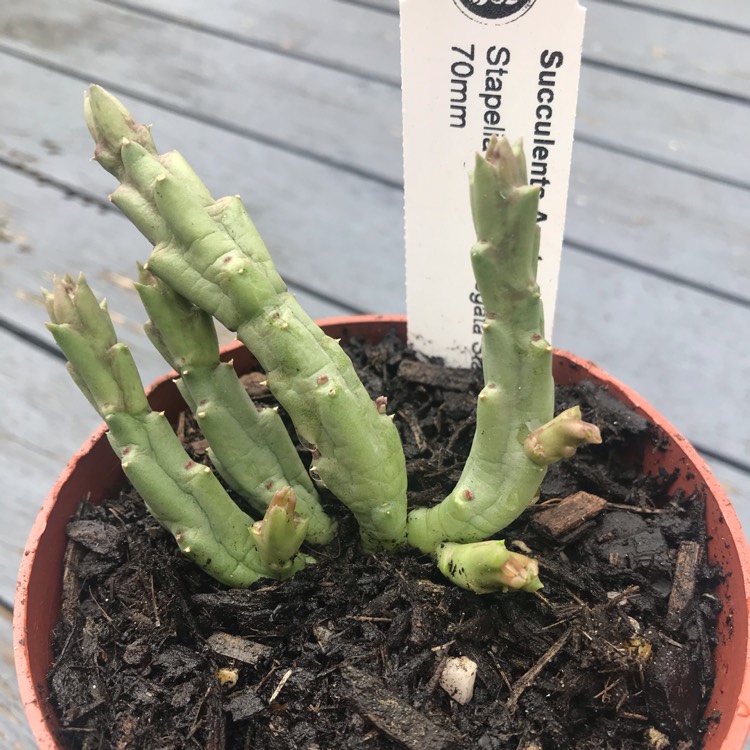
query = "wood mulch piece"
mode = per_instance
[
  {"x": 568, "y": 516},
  {"x": 614, "y": 652}
]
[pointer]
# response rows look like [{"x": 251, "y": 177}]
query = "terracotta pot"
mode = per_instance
[{"x": 95, "y": 471}]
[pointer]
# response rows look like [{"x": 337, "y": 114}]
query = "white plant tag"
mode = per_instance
[{"x": 472, "y": 69}]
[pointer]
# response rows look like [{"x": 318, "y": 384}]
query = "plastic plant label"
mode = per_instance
[{"x": 473, "y": 69}]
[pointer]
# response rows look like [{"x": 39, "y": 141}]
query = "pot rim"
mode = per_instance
[{"x": 31, "y": 695}]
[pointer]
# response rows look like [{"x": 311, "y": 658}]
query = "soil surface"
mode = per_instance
[{"x": 614, "y": 652}]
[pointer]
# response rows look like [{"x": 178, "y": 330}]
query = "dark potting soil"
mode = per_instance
[{"x": 614, "y": 652}]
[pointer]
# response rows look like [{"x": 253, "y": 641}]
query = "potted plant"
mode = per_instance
[{"x": 209, "y": 263}]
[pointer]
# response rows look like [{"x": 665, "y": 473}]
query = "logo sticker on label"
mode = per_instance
[{"x": 503, "y": 11}]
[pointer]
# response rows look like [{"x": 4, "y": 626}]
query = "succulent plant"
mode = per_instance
[{"x": 208, "y": 263}]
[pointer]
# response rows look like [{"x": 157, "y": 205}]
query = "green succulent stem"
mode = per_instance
[
  {"x": 210, "y": 253},
  {"x": 488, "y": 567},
  {"x": 560, "y": 437},
  {"x": 501, "y": 477},
  {"x": 280, "y": 534},
  {"x": 250, "y": 447},
  {"x": 185, "y": 497}
]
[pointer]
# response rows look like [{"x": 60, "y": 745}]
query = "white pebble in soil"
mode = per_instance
[{"x": 458, "y": 677}]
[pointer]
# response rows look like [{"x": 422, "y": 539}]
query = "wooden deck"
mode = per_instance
[{"x": 295, "y": 105}]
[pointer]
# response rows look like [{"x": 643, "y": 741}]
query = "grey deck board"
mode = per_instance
[
  {"x": 655, "y": 271},
  {"x": 657, "y": 122},
  {"x": 672, "y": 48},
  {"x": 43, "y": 425},
  {"x": 666, "y": 341},
  {"x": 14, "y": 732},
  {"x": 636, "y": 211},
  {"x": 347, "y": 37},
  {"x": 288, "y": 102},
  {"x": 731, "y": 13},
  {"x": 391, "y": 6},
  {"x": 737, "y": 486}
]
